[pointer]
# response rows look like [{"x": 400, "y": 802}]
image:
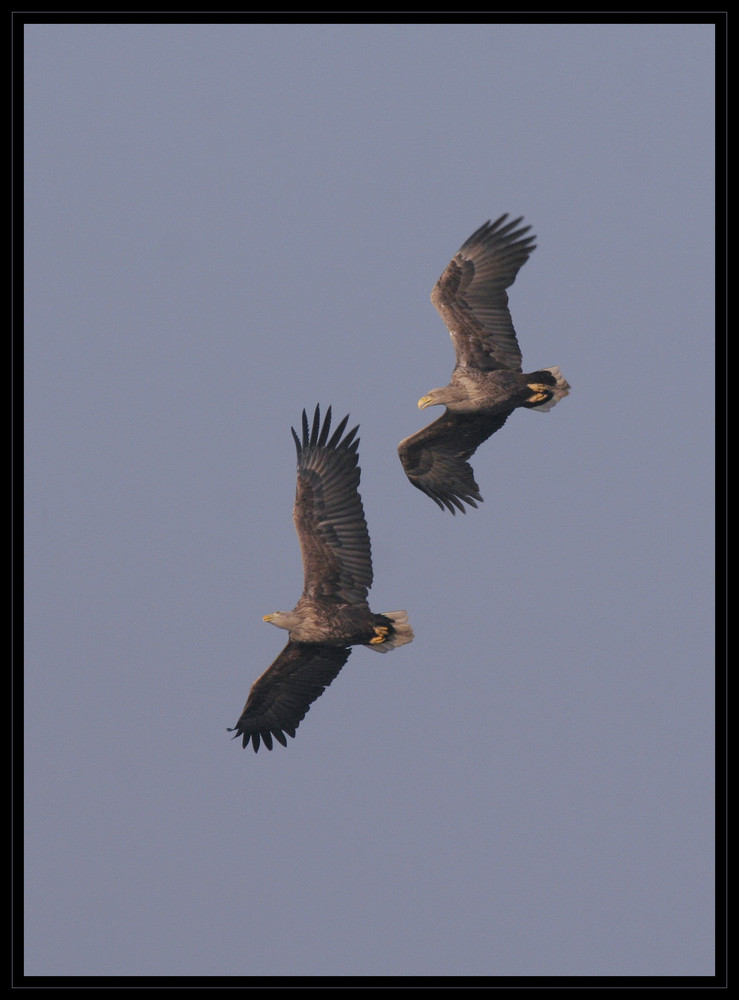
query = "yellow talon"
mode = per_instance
[{"x": 381, "y": 632}]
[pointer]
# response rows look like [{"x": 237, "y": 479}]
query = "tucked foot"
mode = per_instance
[
  {"x": 541, "y": 392},
  {"x": 381, "y": 632},
  {"x": 546, "y": 394},
  {"x": 388, "y": 637}
]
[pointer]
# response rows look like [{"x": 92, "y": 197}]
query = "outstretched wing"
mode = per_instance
[
  {"x": 435, "y": 458},
  {"x": 471, "y": 295},
  {"x": 328, "y": 513},
  {"x": 280, "y": 698}
]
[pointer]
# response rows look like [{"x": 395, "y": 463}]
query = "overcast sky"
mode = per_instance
[{"x": 228, "y": 223}]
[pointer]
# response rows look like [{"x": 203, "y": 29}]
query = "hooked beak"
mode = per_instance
[{"x": 424, "y": 401}]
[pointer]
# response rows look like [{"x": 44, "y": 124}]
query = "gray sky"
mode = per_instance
[{"x": 228, "y": 223}]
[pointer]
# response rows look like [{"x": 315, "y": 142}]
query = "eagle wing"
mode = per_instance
[
  {"x": 280, "y": 698},
  {"x": 328, "y": 513},
  {"x": 435, "y": 458},
  {"x": 471, "y": 295}
]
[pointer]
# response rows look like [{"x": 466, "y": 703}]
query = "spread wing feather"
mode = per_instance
[
  {"x": 280, "y": 698},
  {"x": 435, "y": 458},
  {"x": 471, "y": 295},
  {"x": 328, "y": 513}
]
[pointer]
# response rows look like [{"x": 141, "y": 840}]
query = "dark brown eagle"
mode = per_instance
[
  {"x": 487, "y": 382},
  {"x": 332, "y": 614}
]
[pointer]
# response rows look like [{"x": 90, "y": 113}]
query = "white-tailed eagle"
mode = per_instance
[
  {"x": 487, "y": 382},
  {"x": 332, "y": 614}
]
